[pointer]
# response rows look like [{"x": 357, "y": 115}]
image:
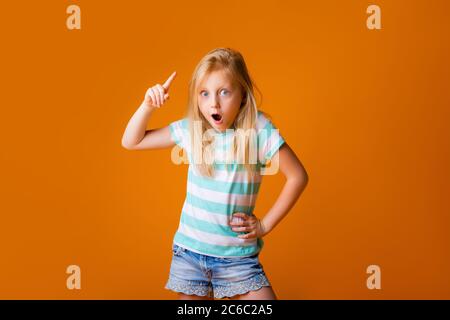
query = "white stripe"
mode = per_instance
[
  {"x": 230, "y": 176},
  {"x": 227, "y": 156},
  {"x": 271, "y": 141},
  {"x": 204, "y": 215},
  {"x": 214, "y": 239},
  {"x": 182, "y": 134},
  {"x": 178, "y": 133},
  {"x": 221, "y": 197}
]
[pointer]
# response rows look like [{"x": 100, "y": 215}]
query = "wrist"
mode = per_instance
[
  {"x": 147, "y": 105},
  {"x": 263, "y": 228}
]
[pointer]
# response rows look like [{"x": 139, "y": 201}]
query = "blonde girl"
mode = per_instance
[{"x": 229, "y": 145}]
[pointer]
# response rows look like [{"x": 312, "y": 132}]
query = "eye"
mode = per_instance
[
  {"x": 225, "y": 91},
  {"x": 202, "y": 93}
]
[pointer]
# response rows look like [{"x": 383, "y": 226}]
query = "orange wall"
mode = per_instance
[{"x": 366, "y": 111}]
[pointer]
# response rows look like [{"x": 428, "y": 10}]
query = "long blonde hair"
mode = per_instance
[{"x": 233, "y": 62}]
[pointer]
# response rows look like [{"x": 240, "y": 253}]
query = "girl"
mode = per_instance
[{"x": 216, "y": 247}]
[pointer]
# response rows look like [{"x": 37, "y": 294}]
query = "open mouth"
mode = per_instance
[{"x": 217, "y": 117}]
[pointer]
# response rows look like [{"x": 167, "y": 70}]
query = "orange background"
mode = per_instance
[{"x": 366, "y": 111}]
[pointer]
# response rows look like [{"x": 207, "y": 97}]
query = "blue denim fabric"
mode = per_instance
[{"x": 193, "y": 273}]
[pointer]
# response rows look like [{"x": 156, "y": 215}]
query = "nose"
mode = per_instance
[{"x": 214, "y": 102}]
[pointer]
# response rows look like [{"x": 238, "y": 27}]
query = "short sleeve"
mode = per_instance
[
  {"x": 178, "y": 132},
  {"x": 269, "y": 139}
]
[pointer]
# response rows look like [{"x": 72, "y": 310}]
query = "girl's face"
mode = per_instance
[{"x": 219, "y": 99}]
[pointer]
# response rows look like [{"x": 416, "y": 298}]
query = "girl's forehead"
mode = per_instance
[{"x": 217, "y": 78}]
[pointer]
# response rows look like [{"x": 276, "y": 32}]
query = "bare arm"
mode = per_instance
[
  {"x": 136, "y": 137},
  {"x": 296, "y": 181}
]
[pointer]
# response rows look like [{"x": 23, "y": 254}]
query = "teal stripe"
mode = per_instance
[
  {"x": 185, "y": 123},
  {"x": 215, "y": 207},
  {"x": 208, "y": 227},
  {"x": 242, "y": 188},
  {"x": 229, "y": 167},
  {"x": 213, "y": 249}
]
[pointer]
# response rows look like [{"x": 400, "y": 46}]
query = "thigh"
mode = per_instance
[
  {"x": 264, "y": 293},
  {"x": 182, "y": 296}
]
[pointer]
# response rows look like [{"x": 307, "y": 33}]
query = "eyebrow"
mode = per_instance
[{"x": 222, "y": 87}]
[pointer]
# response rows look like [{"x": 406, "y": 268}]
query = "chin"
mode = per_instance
[{"x": 219, "y": 128}]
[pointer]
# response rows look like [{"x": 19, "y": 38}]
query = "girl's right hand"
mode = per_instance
[{"x": 158, "y": 94}]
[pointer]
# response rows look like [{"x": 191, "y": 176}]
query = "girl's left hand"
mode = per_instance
[{"x": 250, "y": 224}]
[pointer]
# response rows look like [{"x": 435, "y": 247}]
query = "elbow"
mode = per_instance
[
  {"x": 305, "y": 177},
  {"x": 306, "y": 180},
  {"x": 127, "y": 145},
  {"x": 301, "y": 182},
  {"x": 300, "y": 178}
]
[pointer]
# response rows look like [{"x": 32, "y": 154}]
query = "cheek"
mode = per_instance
[
  {"x": 235, "y": 105},
  {"x": 201, "y": 105},
  {"x": 231, "y": 113},
  {"x": 232, "y": 102},
  {"x": 204, "y": 111}
]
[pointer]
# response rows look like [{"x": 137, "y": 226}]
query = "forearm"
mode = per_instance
[
  {"x": 289, "y": 195},
  {"x": 137, "y": 125}
]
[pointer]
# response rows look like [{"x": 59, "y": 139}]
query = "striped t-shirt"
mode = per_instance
[{"x": 210, "y": 201}]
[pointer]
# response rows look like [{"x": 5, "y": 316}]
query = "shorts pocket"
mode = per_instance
[{"x": 177, "y": 250}]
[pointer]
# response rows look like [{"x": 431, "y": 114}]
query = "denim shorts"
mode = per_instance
[{"x": 193, "y": 273}]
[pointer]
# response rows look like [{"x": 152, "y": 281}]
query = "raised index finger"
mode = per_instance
[{"x": 166, "y": 84}]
